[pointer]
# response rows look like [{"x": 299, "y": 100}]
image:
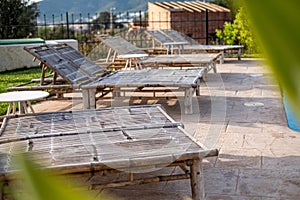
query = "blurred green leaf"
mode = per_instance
[
  {"x": 40, "y": 184},
  {"x": 276, "y": 24}
]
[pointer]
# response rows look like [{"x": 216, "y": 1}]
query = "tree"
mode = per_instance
[
  {"x": 238, "y": 32},
  {"x": 233, "y": 5},
  {"x": 17, "y": 18},
  {"x": 103, "y": 22}
]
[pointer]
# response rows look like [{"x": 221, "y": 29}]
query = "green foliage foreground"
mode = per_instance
[
  {"x": 277, "y": 26},
  {"x": 43, "y": 185}
]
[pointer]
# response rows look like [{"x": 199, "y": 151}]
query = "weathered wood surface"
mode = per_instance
[
  {"x": 89, "y": 66},
  {"x": 120, "y": 45},
  {"x": 93, "y": 143},
  {"x": 213, "y": 47},
  {"x": 187, "y": 80},
  {"x": 67, "y": 62},
  {"x": 174, "y": 35},
  {"x": 182, "y": 59},
  {"x": 150, "y": 77},
  {"x": 66, "y": 69},
  {"x": 159, "y": 37}
]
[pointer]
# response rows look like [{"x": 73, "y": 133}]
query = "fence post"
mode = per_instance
[
  {"x": 80, "y": 20},
  {"x": 206, "y": 26},
  {"x": 81, "y": 37},
  {"x": 141, "y": 42},
  {"x": 62, "y": 25},
  {"x": 53, "y": 23},
  {"x": 73, "y": 25},
  {"x": 45, "y": 25},
  {"x": 68, "y": 28},
  {"x": 89, "y": 23}
]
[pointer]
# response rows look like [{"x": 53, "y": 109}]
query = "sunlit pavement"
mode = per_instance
[{"x": 259, "y": 155}]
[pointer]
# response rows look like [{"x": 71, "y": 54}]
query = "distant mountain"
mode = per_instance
[{"x": 58, "y": 7}]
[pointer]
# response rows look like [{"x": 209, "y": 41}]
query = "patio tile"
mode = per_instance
[
  {"x": 244, "y": 127},
  {"x": 220, "y": 181},
  {"x": 231, "y": 197},
  {"x": 269, "y": 183},
  {"x": 239, "y": 158}
]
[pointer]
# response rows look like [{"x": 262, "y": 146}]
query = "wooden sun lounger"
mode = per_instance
[
  {"x": 120, "y": 48},
  {"x": 64, "y": 71},
  {"x": 126, "y": 50},
  {"x": 98, "y": 143},
  {"x": 216, "y": 48},
  {"x": 166, "y": 41},
  {"x": 76, "y": 70},
  {"x": 186, "y": 80},
  {"x": 209, "y": 61},
  {"x": 175, "y": 36}
]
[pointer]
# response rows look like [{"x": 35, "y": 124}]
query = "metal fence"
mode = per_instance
[{"x": 84, "y": 28}]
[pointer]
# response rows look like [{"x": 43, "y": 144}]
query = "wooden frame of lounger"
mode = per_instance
[{"x": 97, "y": 143}]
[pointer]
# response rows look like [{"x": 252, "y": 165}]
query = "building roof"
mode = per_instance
[{"x": 191, "y": 6}]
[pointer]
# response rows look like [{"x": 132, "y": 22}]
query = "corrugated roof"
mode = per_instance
[{"x": 191, "y": 6}]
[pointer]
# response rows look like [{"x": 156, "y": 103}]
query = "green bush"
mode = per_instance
[{"x": 239, "y": 33}]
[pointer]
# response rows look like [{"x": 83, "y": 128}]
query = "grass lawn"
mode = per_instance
[{"x": 13, "y": 78}]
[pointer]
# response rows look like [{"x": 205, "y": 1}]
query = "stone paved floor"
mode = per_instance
[{"x": 259, "y": 155}]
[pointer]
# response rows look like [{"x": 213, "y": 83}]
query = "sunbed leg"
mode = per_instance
[
  {"x": 214, "y": 66},
  {"x": 21, "y": 108},
  {"x": 196, "y": 180},
  {"x": 239, "y": 54},
  {"x": 126, "y": 64},
  {"x": 114, "y": 56},
  {"x": 116, "y": 92},
  {"x": 222, "y": 58},
  {"x": 89, "y": 98},
  {"x": 198, "y": 85},
  {"x": 108, "y": 55},
  {"x": 188, "y": 98},
  {"x": 169, "y": 50}
]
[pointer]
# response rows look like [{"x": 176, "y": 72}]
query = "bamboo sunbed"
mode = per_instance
[
  {"x": 121, "y": 49},
  {"x": 124, "y": 49},
  {"x": 186, "y": 80},
  {"x": 68, "y": 69},
  {"x": 170, "y": 34},
  {"x": 166, "y": 41},
  {"x": 85, "y": 76},
  {"x": 208, "y": 61},
  {"x": 97, "y": 143}
]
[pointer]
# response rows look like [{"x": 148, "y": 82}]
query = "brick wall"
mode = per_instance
[{"x": 192, "y": 24}]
